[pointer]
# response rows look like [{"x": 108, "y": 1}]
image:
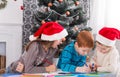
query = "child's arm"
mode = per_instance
[
  {"x": 64, "y": 62},
  {"x": 113, "y": 63},
  {"x": 30, "y": 58}
]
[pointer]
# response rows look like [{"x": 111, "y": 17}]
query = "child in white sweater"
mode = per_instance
[{"x": 106, "y": 56}]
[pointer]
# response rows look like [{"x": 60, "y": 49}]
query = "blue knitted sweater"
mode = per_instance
[{"x": 69, "y": 59}]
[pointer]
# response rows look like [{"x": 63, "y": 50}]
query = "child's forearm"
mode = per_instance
[
  {"x": 35, "y": 69},
  {"x": 106, "y": 69},
  {"x": 51, "y": 68},
  {"x": 68, "y": 67}
]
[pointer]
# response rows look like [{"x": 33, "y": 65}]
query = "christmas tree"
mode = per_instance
[{"x": 68, "y": 13}]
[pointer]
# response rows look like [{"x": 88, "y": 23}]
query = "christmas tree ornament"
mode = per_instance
[
  {"x": 67, "y": 13},
  {"x": 43, "y": 21},
  {"x": 50, "y": 4},
  {"x": 22, "y": 7},
  {"x": 60, "y": 0},
  {"x": 76, "y": 2},
  {"x": 76, "y": 28}
]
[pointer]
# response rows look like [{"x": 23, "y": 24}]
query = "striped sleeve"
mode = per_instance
[{"x": 29, "y": 59}]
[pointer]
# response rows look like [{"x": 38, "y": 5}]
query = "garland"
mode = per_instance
[{"x": 3, "y": 3}]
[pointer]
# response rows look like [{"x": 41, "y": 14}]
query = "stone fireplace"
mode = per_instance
[{"x": 10, "y": 43}]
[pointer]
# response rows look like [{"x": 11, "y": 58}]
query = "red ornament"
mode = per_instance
[
  {"x": 77, "y": 3},
  {"x": 76, "y": 28},
  {"x": 43, "y": 21},
  {"x": 50, "y": 4},
  {"x": 67, "y": 13},
  {"x": 22, "y": 7},
  {"x": 60, "y": 0}
]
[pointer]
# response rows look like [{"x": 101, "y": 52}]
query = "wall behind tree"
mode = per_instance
[
  {"x": 11, "y": 21},
  {"x": 29, "y": 7},
  {"x": 12, "y": 13},
  {"x": 105, "y": 13}
]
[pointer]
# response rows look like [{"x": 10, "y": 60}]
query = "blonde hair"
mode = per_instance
[{"x": 85, "y": 39}]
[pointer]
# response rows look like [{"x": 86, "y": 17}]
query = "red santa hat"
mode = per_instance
[
  {"x": 108, "y": 36},
  {"x": 49, "y": 31}
]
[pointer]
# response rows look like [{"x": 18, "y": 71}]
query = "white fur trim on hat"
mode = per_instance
[
  {"x": 105, "y": 41},
  {"x": 56, "y": 36},
  {"x": 31, "y": 38}
]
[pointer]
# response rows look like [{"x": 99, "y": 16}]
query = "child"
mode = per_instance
[
  {"x": 40, "y": 52},
  {"x": 106, "y": 56},
  {"x": 73, "y": 56}
]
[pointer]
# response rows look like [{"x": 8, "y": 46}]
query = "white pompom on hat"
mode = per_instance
[
  {"x": 49, "y": 31},
  {"x": 108, "y": 36}
]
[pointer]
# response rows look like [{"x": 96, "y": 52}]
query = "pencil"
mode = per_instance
[
  {"x": 92, "y": 66},
  {"x": 86, "y": 64}
]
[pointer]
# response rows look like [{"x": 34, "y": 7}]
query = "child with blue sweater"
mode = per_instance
[{"x": 73, "y": 56}]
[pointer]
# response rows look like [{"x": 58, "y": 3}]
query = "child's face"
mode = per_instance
[
  {"x": 82, "y": 50},
  {"x": 102, "y": 48}
]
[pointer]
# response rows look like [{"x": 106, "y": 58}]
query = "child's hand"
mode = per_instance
[
  {"x": 20, "y": 67},
  {"x": 79, "y": 69},
  {"x": 93, "y": 67},
  {"x": 87, "y": 69},
  {"x": 51, "y": 68},
  {"x": 83, "y": 69}
]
